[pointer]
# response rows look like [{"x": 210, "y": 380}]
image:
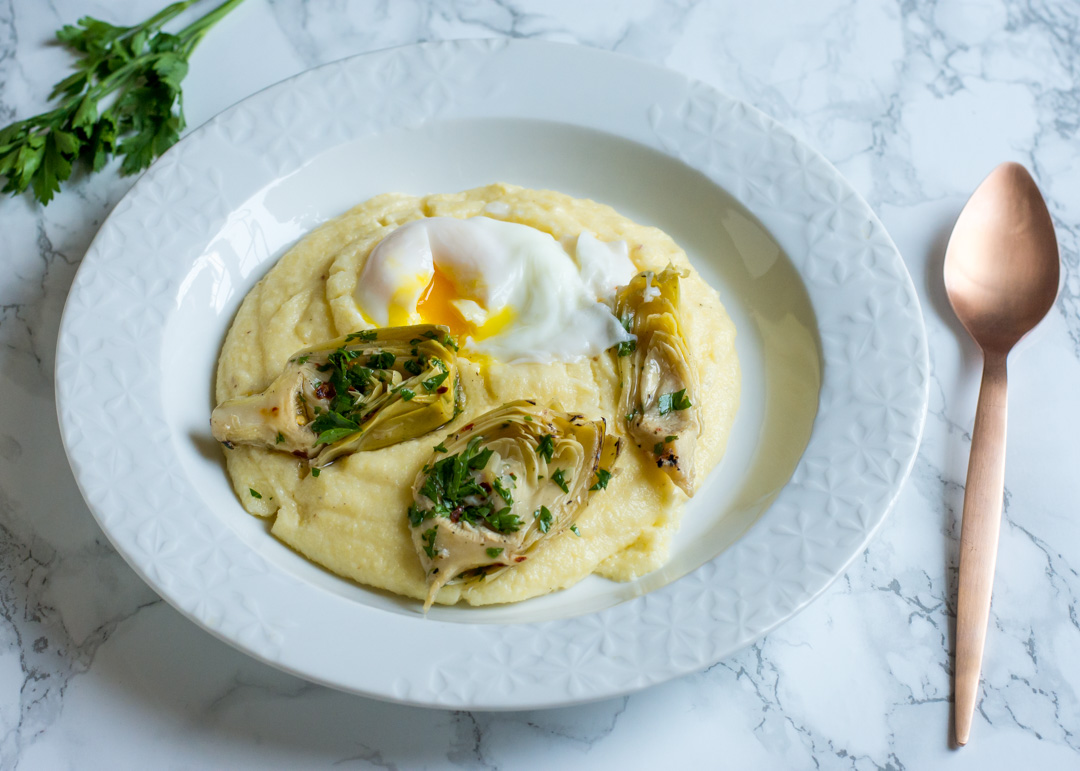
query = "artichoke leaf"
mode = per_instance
[
  {"x": 659, "y": 383},
  {"x": 502, "y": 486},
  {"x": 366, "y": 390}
]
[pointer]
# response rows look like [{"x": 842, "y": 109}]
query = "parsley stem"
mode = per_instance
[
  {"x": 161, "y": 17},
  {"x": 195, "y": 31}
]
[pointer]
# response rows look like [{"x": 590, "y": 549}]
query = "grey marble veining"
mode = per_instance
[{"x": 914, "y": 102}]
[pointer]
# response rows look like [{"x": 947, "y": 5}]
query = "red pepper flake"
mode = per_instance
[
  {"x": 467, "y": 428},
  {"x": 455, "y": 515},
  {"x": 325, "y": 391},
  {"x": 441, "y": 390},
  {"x": 520, "y": 559}
]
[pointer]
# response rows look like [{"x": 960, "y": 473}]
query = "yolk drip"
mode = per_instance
[{"x": 435, "y": 306}]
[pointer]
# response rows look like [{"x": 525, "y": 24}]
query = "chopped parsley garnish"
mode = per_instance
[
  {"x": 315, "y": 472},
  {"x": 254, "y": 493},
  {"x": 417, "y": 515},
  {"x": 381, "y": 360},
  {"x": 503, "y": 521},
  {"x": 280, "y": 438},
  {"x": 603, "y": 476},
  {"x": 559, "y": 479},
  {"x": 457, "y": 494},
  {"x": 428, "y": 537},
  {"x": 480, "y": 460},
  {"x": 674, "y": 401},
  {"x": 493, "y": 552},
  {"x": 413, "y": 366},
  {"x": 360, "y": 378},
  {"x": 528, "y": 418},
  {"x": 546, "y": 448},
  {"x": 628, "y": 347},
  {"x": 303, "y": 359},
  {"x": 658, "y": 448},
  {"x": 434, "y": 382},
  {"x": 544, "y": 516},
  {"x": 504, "y": 492},
  {"x": 406, "y": 394},
  {"x": 446, "y": 339},
  {"x": 575, "y": 531},
  {"x": 332, "y": 426},
  {"x": 440, "y": 447},
  {"x": 365, "y": 335}
]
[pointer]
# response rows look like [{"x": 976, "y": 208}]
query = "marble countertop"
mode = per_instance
[{"x": 914, "y": 102}]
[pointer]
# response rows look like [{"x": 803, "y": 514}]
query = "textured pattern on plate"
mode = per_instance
[{"x": 109, "y": 384}]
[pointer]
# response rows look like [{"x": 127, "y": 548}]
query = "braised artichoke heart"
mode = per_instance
[
  {"x": 496, "y": 489},
  {"x": 659, "y": 384},
  {"x": 367, "y": 390}
]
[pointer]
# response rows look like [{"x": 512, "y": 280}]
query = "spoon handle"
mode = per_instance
[{"x": 979, "y": 537}]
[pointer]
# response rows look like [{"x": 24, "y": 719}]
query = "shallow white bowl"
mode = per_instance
[{"x": 830, "y": 338}]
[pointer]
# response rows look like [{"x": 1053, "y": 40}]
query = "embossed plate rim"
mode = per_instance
[{"x": 871, "y": 411}]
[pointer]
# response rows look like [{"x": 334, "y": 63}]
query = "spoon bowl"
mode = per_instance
[
  {"x": 1002, "y": 265},
  {"x": 1001, "y": 276}
]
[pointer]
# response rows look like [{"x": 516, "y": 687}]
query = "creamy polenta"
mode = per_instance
[{"x": 351, "y": 517}]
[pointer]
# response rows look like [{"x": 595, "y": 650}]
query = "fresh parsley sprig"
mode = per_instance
[{"x": 141, "y": 67}]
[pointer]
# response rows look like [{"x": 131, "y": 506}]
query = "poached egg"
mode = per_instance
[{"x": 507, "y": 290}]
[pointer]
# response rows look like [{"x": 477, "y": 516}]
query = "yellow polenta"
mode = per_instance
[{"x": 352, "y": 517}]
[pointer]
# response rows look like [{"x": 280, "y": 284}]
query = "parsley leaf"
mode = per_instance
[
  {"x": 560, "y": 480},
  {"x": 503, "y": 521},
  {"x": 674, "y": 401},
  {"x": 544, "y": 516},
  {"x": 503, "y": 492},
  {"x": 254, "y": 493},
  {"x": 418, "y": 515},
  {"x": 546, "y": 448},
  {"x": 364, "y": 335},
  {"x": 603, "y": 476},
  {"x": 332, "y": 426},
  {"x": 406, "y": 394},
  {"x": 480, "y": 460},
  {"x": 493, "y": 552},
  {"x": 434, "y": 382},
  {"x": 381, "y": 360},
  {"x": 428, "y": 537}
]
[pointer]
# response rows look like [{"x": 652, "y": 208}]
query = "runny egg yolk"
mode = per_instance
[{"x": 437, "y": 305}]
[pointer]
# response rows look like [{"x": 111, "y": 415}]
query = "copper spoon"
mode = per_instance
[{"x": 1001, "y": 276}]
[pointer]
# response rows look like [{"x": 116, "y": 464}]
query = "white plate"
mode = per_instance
[{"x": 816, "y": 288}]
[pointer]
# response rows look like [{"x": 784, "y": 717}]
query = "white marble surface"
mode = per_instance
[{"x": 914, "y": 102}]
